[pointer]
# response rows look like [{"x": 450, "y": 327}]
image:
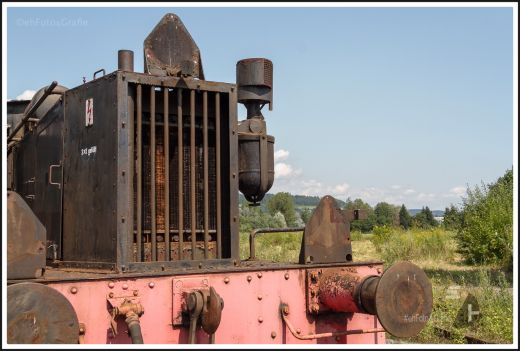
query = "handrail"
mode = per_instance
[{"x": 268, "y": 231}]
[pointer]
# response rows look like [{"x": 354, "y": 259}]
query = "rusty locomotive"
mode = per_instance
[{"x": 123, "y": 218}]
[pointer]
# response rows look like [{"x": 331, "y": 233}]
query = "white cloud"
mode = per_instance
[
  {"x": 281, "y": 155},
  {"x": 425, "y": 196},
  {"x": 282, "y": 170},
  {"x": 458, "y": 191},
  {"x": 26, "y": 95},
  {"x": 341, "y": 190},
  {"x": 292, "y": 180},
  {"x": 313, "y": 187}
]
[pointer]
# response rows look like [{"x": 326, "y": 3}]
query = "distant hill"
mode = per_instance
[
  {"x": 436, "y": 213},
  {"x": 299, "y": 200}
]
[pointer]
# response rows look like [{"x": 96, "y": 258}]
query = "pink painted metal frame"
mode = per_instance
[{"x": 251, "y": 313}]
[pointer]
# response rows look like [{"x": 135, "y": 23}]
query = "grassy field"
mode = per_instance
[{"x": 435, "y": 252}]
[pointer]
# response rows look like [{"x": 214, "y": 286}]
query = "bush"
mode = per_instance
[
  {"x": 356, "y": 235},
  {"x": 381, "y": 235},
  {"x": 486, "y": 234},
  {"x": 396, "y": 244},
  {"x": 306, "y": 214}
]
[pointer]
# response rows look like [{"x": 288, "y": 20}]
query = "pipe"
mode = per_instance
[
  {"x": 348, "y": 293},
  {"x": 296, "y": 333},
  {"x": 134, "y": 328},
  {"x": 33, "y": 109},
  {"x": 125, "y": 60}
]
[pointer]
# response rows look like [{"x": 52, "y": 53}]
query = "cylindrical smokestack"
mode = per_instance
[
  {"x": 125, "y": 60},
  {"x": 255, "y": 84},
  {"x": 255, "y": 147}
]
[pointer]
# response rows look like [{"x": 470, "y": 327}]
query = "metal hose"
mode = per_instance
[{"x": 134, "y": 328}]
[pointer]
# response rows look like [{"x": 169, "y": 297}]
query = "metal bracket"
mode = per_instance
[
  {"x": 181, "y": 288},
  {"x": 354, "y": 215}
]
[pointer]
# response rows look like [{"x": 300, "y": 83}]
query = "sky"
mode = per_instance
[{"x": 404, "y": 105}]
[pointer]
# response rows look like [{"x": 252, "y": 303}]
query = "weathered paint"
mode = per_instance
[
  {"x": 337, "y": 292},
  {"x": 250, "y": 315}
]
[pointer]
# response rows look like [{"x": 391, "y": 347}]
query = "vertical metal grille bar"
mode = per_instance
[
  {"x": 139, "y": 169},
  {"x": 217, "y": 152},
  {"x": 205, "y": 151},
  {"x": 152, "y": 187},
  {"x": 193, "y": 176},
  {"x": 166, "y": 147},
  {"x": 180, "y": 175}
]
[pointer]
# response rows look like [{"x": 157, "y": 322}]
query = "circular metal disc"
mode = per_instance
[
  {"x": 404, "y": 299},
  {"x": 38, "y": 314}
]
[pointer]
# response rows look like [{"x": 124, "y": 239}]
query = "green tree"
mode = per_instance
[
  {"x": 253, "y": 218},
  {"x": 420, "y": 220},
  {"x": 363, "y": 225},
  {"x": 386, "y": 214},
  {"x": 405, "y": 220},
  {"x": 432, "y": 222},
  {"x": 283, "y": 202},
  {"x": 424, "y": 219},
  {"x": 452, "y": 218},
  {"x": 486, "y": 233},
  {"x": 306, "y": 214}
]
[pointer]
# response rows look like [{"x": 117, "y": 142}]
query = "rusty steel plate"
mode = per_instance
[
  {"x": 38, "y": 314},
  {"x": 404, "y": 299},
  {"x": 326, "y": 238}
]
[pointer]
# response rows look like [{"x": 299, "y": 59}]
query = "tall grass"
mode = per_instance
[
  {"x": 495, "y": 306},
  {"x": 356, "y": 235},
  {"x": 275, "y": 247},
  {"x": 395, "y": 244}
]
